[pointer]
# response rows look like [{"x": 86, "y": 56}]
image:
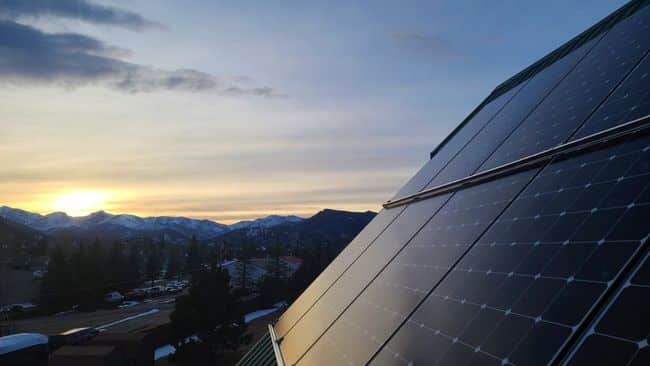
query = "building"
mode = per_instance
[{"x": 522, "y": 241}]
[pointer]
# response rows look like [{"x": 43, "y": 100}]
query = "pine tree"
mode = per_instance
[
  {"x": 56, "y": 282},
  {"x": 154, "y": 262},
  {"x": 173, "y": 263},
  {"x": 194, "y": 261},
  {"x": 134, "y": 267},
  {"x": 212, "y": 312},
  {"x": 117, "y": 267}
]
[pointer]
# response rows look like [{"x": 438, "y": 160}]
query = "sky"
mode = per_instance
[{"x": 232, "y": 110}]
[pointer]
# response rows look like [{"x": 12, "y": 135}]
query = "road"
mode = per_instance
[{"x": 56, "y": 324}]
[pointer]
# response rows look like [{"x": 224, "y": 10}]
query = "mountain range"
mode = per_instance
[
  {"x": 125, "y": 226},
  {"x": 327, "y": 224}
]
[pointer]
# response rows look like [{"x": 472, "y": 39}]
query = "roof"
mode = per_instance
[
  {"x": 523, "y": 242},
  {"x": 602, "y": 26},
  {"x": 261, "y": 354},
  {"x": 18, "y": 341}
]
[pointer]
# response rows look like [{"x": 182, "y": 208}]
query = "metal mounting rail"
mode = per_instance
[
  {"x": 605, "y": 136},
  {"x": 276, "y": 346}
]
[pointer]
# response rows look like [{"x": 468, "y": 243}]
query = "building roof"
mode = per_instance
[
  {"x": 18, "y": 341},
  {"x": 524, "y": 240}
]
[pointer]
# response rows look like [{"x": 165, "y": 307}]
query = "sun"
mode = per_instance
[{"x": 79, "y": 203}]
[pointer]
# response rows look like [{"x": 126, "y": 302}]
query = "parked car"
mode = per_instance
[{"x": 113, "y": 297}]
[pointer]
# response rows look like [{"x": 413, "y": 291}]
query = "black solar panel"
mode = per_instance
[
  {"x": 527, "y": 285},
  {"x": 528, "y": 266},
  {"x": 455, "y": 143},
  {"x": 391, "y": 297},
  {"x": 483, "y": 145},
  {"x": 335, "y": 269},
  {"x": 333, "y": 301},
  {"x": 621, "y": 333},
  {"x": 580, "y": 93},
  {"x": 630, "y": 101}
]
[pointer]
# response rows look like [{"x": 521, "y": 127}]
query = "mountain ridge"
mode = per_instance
[{"x": 126, "y": 226}]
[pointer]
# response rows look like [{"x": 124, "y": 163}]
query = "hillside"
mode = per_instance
[{"x": 332, "y": 227}]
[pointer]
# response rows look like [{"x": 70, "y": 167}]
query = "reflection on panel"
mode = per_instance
[
  {"x": 392, "y": 296},
  {"x": 335, "y": 269},
  {"x": 630, "y": 101},
  {"x": 621, "y": 334},
  {"x": 455, "y": 143},
  {"x": 484, "y": 144},
  {"x": 580, "y": 93},
  {"x": 530, "y": 281},
  {"x": 340, "y": 295}
]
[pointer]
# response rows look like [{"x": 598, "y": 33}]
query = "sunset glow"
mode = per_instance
[{"x": 79, "y": 203}]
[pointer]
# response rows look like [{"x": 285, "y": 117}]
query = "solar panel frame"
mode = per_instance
[
  {"x": 387, "y": 344},
  {"x": 591, "y": 333}
]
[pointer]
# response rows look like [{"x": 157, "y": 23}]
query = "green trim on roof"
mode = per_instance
[
  {"x": 261, "y": 354},
  {"x": 597, "y": 29}
]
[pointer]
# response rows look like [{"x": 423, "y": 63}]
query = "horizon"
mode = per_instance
[
  {"x": 189, "y": 217},
  {"x": 160, "y": 109}
]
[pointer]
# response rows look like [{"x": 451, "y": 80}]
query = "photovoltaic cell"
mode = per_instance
[
  {"x": 530, "y": 281},
  {"x": 500, "y": 127},
  {"x": 335, "y": 270},
  {"x": 621, "y": 333},
  {"x": 391, "y": 297},
  {"x": 342, "y": 292},
  {"x": 630, "y": 101},
  {"x": 455, "y": 143},
  {"x": 581, "y": 92}
]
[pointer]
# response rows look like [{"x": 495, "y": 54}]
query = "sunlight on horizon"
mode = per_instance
[{"x": 80, "y": 203}]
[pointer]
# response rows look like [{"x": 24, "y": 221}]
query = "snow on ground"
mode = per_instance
[
  {"x": 164, "y": 351},
  {"x": 264, "y": 312},
  {"x": 168, "y": 349},
  {"x": 103, "y": 327},
  {"x": 21, "y": 340}
]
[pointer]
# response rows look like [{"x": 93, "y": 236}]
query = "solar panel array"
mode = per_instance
[{"x": 544, "y": 265}]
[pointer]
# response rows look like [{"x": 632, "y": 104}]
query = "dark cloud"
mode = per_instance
[
  {"x": 432, "y": 46},
  {"x": 31, "y": 55},
  {"x": 75, "y": 9}
]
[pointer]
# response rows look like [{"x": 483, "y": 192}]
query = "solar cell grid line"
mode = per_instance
[
  {"x": 329, "y": 306},
  {"x": 525, "y": 287},
  {"x": 459, "y": 139},
  {"x": 581, "y": 92},
  {"x": 366, "y": 324},
  {"x": 541, "y": 85},
  {"x": 621, "y": 331},
  {"x": 631, "y": 100},
  {"x": 335, "y": 269}
]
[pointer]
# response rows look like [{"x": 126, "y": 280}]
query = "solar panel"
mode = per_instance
[
  {"x": 529, "y": 282},
  {"x": 379, "y": 310},
  {"x": 621, "y": 333},
  {"x": 543, "y": 263},
  {"x": 483, "y": 145},
  {"x": 580, "y": 93},
  {"x": 630, "y": 101},
  {"x": 456, "y": 142},
  {"x": 334, "y": 270},
  {"x": 305, "y": 332}
]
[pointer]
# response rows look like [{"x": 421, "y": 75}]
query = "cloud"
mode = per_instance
[
  {"x": 75, "y": 9},
  {"x": 29, "y": 55},
  {"x": 432, "y": 46}
]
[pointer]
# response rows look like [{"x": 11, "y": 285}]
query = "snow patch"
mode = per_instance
[{"x": 21, "y": 340}]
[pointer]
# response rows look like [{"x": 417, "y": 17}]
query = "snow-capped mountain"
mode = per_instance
[
  {"x": 131, "y": 225},
  {"x": 266, "y": 222}
]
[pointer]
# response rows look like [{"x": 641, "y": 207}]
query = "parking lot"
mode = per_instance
[{"x": 55, "y": 324}]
